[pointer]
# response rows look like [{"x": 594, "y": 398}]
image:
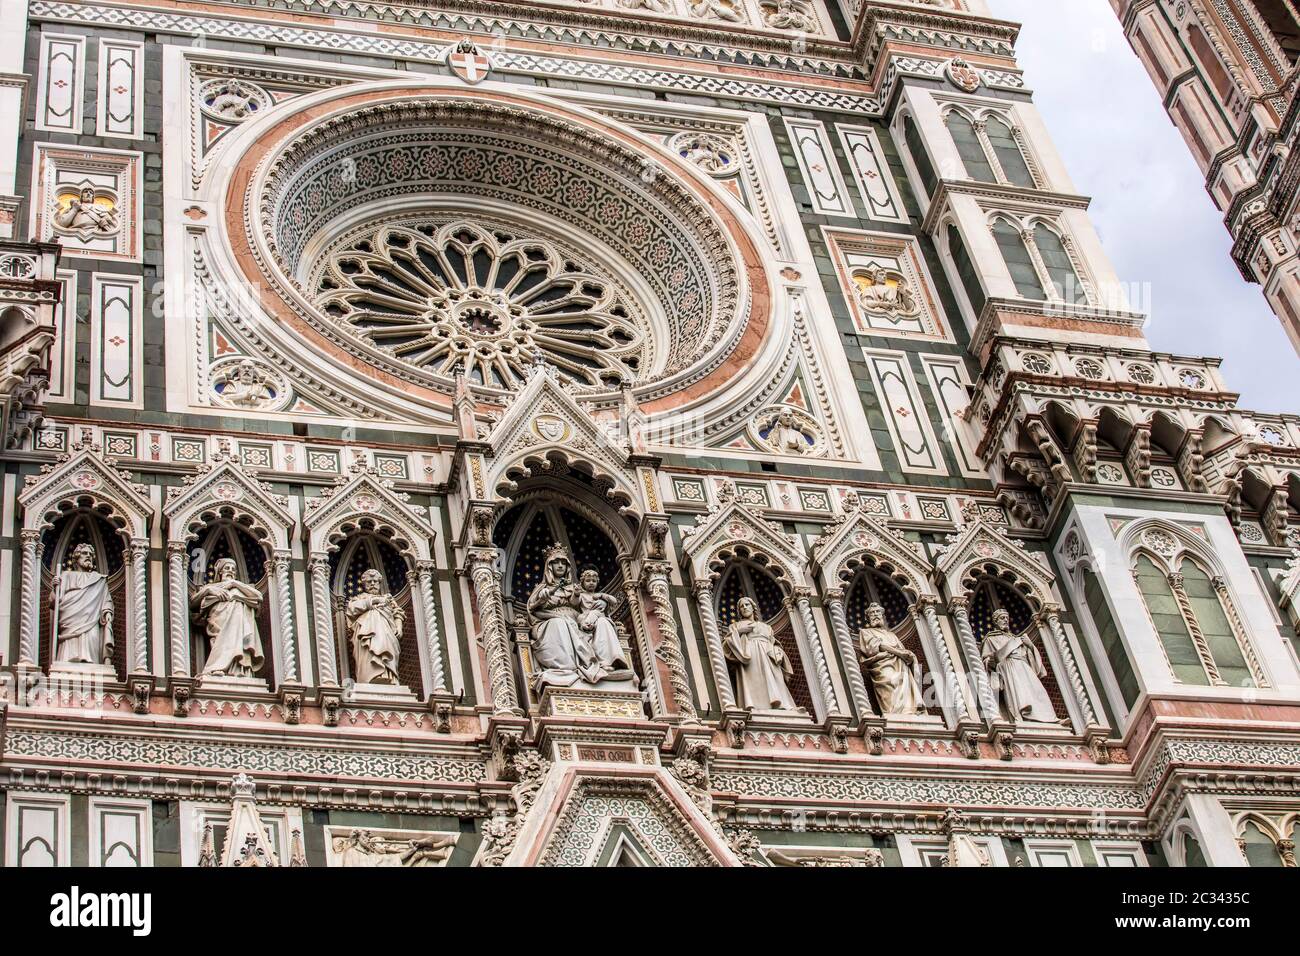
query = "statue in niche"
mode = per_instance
[
  {"x": 375, "y": 625},
  {"x": 84, "y": 215},
  {"x": 762, "y": 668},
  {"x": 82, "y": 622},
  {"x": 1015, "y": 671},
  {"x": 894, "y": 671},
  {"x": 227, "y": 608},
  {"x": 785, "y": 437},
  {"x": 574, "y": 641}
]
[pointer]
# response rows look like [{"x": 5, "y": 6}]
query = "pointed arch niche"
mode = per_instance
[
  {"x": 225, "y": 512},
  {"x": 362, "y": 524},
  {"x": 568, "y": 507},
  {"x": 984, "y": 572},
  {"x": 858, "y": 561},
  {"x": 735, "y": 553},
  {"x": 83, "y": 498}
]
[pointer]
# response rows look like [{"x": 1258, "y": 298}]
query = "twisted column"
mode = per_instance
[
  {"x": 1050, "y": 616},
  {"x": 30, "y": 610},
  {"x": 803, "y": 606},
  {"x": 670, "y": 647},
  {"x": 178, "y": 601},
  {"x": 988, "y": 706},
  {"x": 284, "y": 599},
  {"x": 848, "y": 651},
  {"x": 424, "y": 581},
  {"x": 703, "y": 591},
  {"x": 925, "y": 611},
  {"x": 492, "y": 630},
  {"x": 1239, "y": 629},
  {"x": 1194, "y": 629},
  {"x": 140, "y": 606},
  {"x": 323, "y": 613}
]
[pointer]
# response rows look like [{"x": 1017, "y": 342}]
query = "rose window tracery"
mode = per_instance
[{"x": 482, "y": 299}]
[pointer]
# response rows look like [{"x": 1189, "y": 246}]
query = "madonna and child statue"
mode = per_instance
[{"x": 575, "y": 643}]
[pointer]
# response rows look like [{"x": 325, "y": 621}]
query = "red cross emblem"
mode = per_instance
[{"x": 470, "y": 65}]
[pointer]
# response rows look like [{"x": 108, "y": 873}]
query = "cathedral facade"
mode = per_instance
[
  {"x": 609, "y": 433},
  {"x": 1228, "y": 72}
]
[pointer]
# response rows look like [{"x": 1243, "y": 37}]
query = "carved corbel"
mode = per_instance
[
  {"x": 1085, "y": 452},
  {"x": 1138, "y": 456},
  {"x": 291, "y": 699},
  {"x": 441, "y": 705},
  {"x": 1049, "y": 451},
  {"x": 506, "y": 738},
  {"x": 1002, "y": 736},
  {"x": 182, "y": 688},
  {"x": 873, "y": 735},
  {"x": 1190, "y": 460},
  {"x": 837, "y": 730},
  {"x": 141, "y": 688},
  {"x": 733, "y": 723},
  {"x": 331, "y": 702}
]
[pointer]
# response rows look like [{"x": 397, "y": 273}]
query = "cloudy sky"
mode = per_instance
[{"x": 1160, "y": 227}]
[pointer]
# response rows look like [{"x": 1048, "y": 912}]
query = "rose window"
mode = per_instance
[{"x": 484, "y": 300}]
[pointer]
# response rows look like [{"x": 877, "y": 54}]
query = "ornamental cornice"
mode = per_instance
[{"x": 840, "y": 59}]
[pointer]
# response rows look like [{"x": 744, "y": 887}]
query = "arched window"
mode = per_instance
[
  {"x": 226, "y": 539},
  {"x": 1193, "y": 856},
  {"x": 969, "y": 147},
  {"x": 1168, "y": 621},
  {"x": 741, "y": 579},
  {"x": 1215, "y": 626},
  {"x": 1259, "y": 848},
  {"x": 360, "y": 552},
  {"x": 1006, "y": 148},
  {"x": 1020, "y": 263},
  {"x": 1187, "y": 612},
  {"x": 871, "y": 586},
  {"x": 1060, "y": 268},
  {"x": 73, "y": 529},
  {"x": 925, "y": 168}
]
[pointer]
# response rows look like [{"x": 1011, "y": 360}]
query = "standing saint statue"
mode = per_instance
[
  {"x": 567, "y": 652},
  {"x": 1015, "y": 671},
  {"x": 762, "y": 668},
  {"x": 894, "y": 671},
  {"x": 375, "y": 624},
  {"x": 228, "y": 608},
  {"x": 82, "y": 611}
]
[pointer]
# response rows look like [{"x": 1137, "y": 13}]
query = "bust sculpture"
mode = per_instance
[
  {"x": 894, "y": 671},
  {"x": 82, "y": 622},
  {"x": 575, "y": 643},
  {"x": 1016, "y": 671},
  {"x": 762, "y": 667},
  {"x": 227, "y": 608},
  {"x": 82, "y": 214},
  {"x": 375, "y": 626}
]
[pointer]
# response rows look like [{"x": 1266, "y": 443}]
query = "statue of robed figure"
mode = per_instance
[
  {"x": 375, "y": 622},
  {"x": 574, "y": 642},
  {"x": 227, "y": 607},
  {"x": 762, "y": 667},
  {"x": 1016, "y": 671},
  {"x": 894, "y": 671},
  {"x": 82, "y": 611}
]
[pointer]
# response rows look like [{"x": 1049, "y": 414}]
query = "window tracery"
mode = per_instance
[{"x": 482, "y": 299}]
